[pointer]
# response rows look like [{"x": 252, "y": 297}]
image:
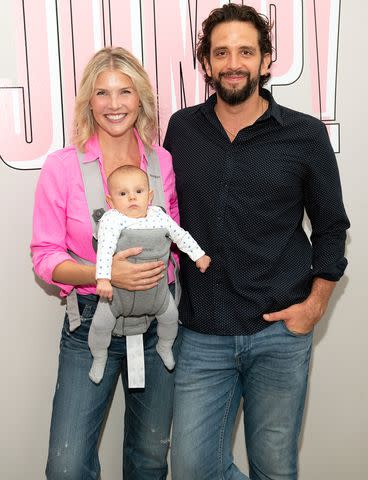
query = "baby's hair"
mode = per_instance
[{"x": 126, "y": 169}]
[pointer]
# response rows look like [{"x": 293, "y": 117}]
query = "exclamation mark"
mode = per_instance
[{"x": 324, "y": 23}]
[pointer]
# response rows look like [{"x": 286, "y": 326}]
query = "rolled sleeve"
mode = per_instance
[
  {"x": 325, "y": 209},
  {"x": 48, "y": 244}
]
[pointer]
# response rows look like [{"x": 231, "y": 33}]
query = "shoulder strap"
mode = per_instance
[
  {"x": 156, "y": 184},
  {"x": 93, "y": 187},
  {"x": 155, "y": 178},
  {"x": 96, "y": 201}
]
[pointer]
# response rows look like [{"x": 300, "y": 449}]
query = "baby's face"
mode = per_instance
[{"x": 130, "y": 194}]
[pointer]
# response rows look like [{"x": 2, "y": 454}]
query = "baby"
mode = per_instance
[{"x": 130, "y": 199}]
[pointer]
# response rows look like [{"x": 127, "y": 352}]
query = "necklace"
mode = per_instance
[
  {"x": 263, "y": 107},
  {"x": 230, "y": 133}
]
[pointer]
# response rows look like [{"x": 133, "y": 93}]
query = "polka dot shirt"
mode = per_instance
[{"x": 244, "y": 202}]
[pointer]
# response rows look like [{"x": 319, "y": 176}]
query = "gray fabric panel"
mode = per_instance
[
  {"x": 156, "y": 246},
  {"x": 93, "y": 188},
  {"x": 157, "y": 300},
  {"x": 73, "y": 310}
]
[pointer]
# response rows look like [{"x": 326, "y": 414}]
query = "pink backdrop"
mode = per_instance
[{"x": 54, "y": 39}]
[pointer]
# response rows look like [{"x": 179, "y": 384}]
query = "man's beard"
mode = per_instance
[{"x": 235, "y": 96}]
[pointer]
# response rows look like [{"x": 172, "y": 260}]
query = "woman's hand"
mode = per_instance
[{"x": 135, "y": 276}]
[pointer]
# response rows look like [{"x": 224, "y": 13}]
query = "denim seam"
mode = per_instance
[{"x": 222, "y": 431}]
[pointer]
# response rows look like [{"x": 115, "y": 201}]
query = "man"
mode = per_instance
[{"x": 246, "y": 169}]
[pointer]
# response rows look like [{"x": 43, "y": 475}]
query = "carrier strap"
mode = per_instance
[{"x": 96, "y": 200}]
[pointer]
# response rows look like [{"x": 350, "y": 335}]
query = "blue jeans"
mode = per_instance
[
  {"x": 80, "y": 407},
  {"x": 270, "y": 371}
]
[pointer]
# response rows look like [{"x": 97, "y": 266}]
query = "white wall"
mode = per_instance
[{"x": 334, "y": 440}]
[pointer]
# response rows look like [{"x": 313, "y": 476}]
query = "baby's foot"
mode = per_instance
[
  {"x": 166, "y": 356},
  {"x": 97, "y": 369}
]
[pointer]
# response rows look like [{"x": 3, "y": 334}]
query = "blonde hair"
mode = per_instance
[{"x": 114, "y": 58}]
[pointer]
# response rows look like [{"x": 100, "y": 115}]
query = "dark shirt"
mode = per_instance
[{"x": 244, "y": 204}]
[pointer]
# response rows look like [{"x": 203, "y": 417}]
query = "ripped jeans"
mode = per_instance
[{"x": 80, "y": 407}]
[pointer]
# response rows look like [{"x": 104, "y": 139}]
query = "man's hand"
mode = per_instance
[
  {"x": 302, "y": 317},
  {"x": 299, "y": 318}
]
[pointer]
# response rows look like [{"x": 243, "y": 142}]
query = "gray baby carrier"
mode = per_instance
[{"x": 135, "y": 310}]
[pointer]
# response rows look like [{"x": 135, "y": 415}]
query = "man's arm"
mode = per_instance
[{"x": 325, "y": 209}]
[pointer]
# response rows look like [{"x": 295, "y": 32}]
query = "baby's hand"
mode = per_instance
[
  {"x": 104, "y": 288},
  {"x": 203, "y": 263}
]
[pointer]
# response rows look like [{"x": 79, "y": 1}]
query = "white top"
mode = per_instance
[{"x": 113, "y": 222}]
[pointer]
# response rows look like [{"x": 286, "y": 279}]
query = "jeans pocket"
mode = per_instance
[
  {"x": 295, "y": 334},
  {"x": 86, "y": 312}
]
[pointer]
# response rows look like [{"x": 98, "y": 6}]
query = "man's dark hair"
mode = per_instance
[{"x": 231, "y": 12}]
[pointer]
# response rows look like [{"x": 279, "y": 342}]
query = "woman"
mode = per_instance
[{"x": 115, "y": 121}]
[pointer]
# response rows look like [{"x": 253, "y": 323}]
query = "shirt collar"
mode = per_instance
[
  {"x": 93, "y": 151},
  {"x": 274, "y": 109}
]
